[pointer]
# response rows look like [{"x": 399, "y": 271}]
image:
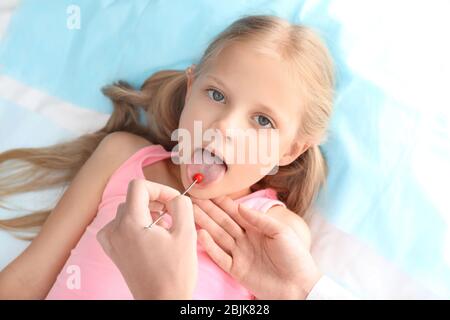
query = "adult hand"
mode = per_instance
[
  {"x": 264, "y": 255},
  {"x": 156, "y": 263}
]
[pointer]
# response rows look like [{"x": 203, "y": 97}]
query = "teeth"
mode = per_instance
[{"x": 218, "y": 157}]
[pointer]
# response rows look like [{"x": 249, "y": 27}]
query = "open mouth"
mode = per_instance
[
  {"x": 209, "y": 163},
  {"x": 217, "y": 156}
]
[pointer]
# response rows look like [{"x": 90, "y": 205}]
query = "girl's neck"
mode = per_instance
[{"x": 240, "y": 194}]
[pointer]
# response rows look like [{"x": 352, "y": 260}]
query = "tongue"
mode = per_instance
[{"x": 209, "y": 166}]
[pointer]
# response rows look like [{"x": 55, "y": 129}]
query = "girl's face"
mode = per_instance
[{"x": 242, "y": 95}]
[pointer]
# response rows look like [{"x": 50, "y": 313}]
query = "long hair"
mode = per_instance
[{"x": 162, "y": 98}]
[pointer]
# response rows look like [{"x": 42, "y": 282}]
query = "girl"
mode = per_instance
[{"x": 261, "y": 73}]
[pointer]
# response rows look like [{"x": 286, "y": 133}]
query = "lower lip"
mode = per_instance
[{"x": 203, "y": 185}]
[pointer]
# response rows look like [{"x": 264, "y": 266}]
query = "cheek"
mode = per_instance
[
  {"x": 267, "y": 149},
  {"x": 184, "y": 116},
  {"x": 187, "y": 118},
  {"x": 194, "y": 110},
  {"x": 244, "y": 175}
]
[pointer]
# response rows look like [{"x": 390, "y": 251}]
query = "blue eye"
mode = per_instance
[
  {"x": 216, "y": 95},
  {"x": 264, "y": 122}
]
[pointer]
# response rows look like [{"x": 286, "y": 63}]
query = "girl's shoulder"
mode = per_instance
[
  {"x": 127, "y": 140},
  {"x": 123, "y": 145}
]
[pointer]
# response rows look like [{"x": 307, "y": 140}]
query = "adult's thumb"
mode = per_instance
[{"x": 182, "y": 213}]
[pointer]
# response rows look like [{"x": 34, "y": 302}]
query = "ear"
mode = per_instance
[
  {"x": 190, "y": 79},
  {"x": 296, "y": 150}
]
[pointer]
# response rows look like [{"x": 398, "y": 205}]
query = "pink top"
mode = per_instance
[{"x": 90, "y": 274}]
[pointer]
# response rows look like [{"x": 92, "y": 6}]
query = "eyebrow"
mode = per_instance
[
  {"x": 217, "y": 80},
  {"x": 262, "y": 106}
]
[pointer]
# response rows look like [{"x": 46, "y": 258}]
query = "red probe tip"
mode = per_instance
[{"x": 198, "y": 177}]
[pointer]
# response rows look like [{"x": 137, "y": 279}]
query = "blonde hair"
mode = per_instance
[{"x": 162, "y": 97}]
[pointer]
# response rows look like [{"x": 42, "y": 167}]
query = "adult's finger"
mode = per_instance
[
  {"x": 140, "y": 193},
  {"x": 104, "y": 237},
  {"x": 264, "y": 223},
  {"x": 217, "y": 254},
  {"x": 181, "y": 211},
  {"x": 224, "y": 211},
  {"x": 162, "y": 222},
  {"x": 219, "y": 235},
  {"x": 120, "y": 212}
]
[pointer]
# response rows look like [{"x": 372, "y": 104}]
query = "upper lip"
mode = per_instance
[{"x": 214, "y": 152}]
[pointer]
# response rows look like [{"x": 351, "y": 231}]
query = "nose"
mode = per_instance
[{"x": 227, "y": 126}]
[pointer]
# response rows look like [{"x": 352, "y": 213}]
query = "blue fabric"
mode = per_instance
[
  {"x": 21, "y": 127},
  {"x": 116, "y": 40},
  {"x": 389, "y": 144}
]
